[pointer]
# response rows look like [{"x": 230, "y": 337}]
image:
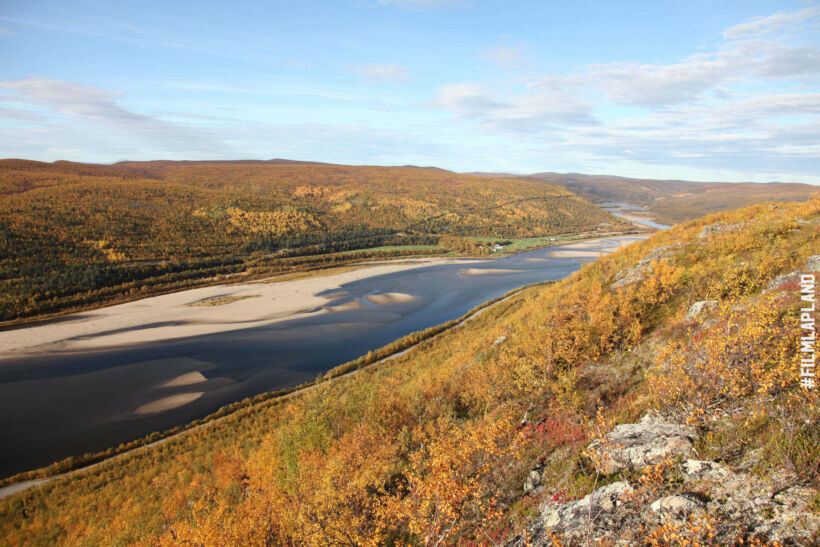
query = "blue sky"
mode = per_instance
[{"x": 719, "y": 90}]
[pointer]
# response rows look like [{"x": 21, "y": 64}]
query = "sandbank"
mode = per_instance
[
  {"x": 167, "y": 403},
  {"x": 390, "y": 298},
  {"x": 488, "y": 271},
  {"x": 187, "y": 379},
  {"x": 170, "y": 316}
]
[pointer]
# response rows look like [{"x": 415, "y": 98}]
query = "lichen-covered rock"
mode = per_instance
[
  {"x": 533, "y": 481},
  {"x": 677, "y": 506},
  {"x": 634, "y": 446},
  {"x": 643, "y": 268},
  {"x": 701, "y": 470},
  {"x": 813, "y": 263},
  {"x": 718, "y": 228},
  {"x": 699, "y": 307},
  {"x": 712, "y": 497},
  {"x": 784, "y": 279}
]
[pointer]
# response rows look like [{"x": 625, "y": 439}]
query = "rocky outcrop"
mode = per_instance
[
  {"x": 699, "y": 307},
  {"x": 634, "y": 446},
  {"x": 719, "y": 228},
  {"x": 643, "y": 268},
  {"x": 785, "y": 279},
  {"x": 813, "y": 263},
  {"x": 710, "y": 499}
]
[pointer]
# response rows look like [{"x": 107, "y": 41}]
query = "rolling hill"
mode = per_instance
[
  {"x": 75, "y": 235},
  {"x": 495, "y": 430},
  {"x": 674, "y": 201}
]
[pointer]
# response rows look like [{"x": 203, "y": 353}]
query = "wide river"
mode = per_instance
[{"x": 68, "y": 403}]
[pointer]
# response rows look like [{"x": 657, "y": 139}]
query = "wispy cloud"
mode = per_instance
[
  {"x": 764, "y": 26},
  {"x": 382, "y": 73},
  {"x": 90, "y": 105},
  {"x": 711, "y": 108}
]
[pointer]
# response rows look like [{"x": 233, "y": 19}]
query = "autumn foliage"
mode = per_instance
[{"x": 432, "y": 447}]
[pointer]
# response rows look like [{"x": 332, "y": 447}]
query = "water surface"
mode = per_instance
[{"x": 67, "y": 404}]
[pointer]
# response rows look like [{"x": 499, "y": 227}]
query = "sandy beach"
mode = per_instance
[{"x": 206, "y": 310}]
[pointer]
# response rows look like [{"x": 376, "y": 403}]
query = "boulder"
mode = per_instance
[
  {"x": 634, "y": 446},
  {"x": 575, "y": 514},
  {"x": 813, "y": 264},
  {"x": 784, "y": 279},
  {"x": 701, "y": 470},
  {"x": 533, "y": 481},
  {"x": 718, "y": 228},
  {"x": 699, "y": 307},
  {"x": 677, "y": 506}
]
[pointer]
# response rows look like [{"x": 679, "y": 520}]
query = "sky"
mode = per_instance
[{"x": 699, "y": 90}]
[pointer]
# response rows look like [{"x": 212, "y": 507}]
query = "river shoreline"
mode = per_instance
[{"x": 119, "y": 373}]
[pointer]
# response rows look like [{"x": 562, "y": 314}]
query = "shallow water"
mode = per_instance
[
  {"x": 620, "y": 209},
  {"x": 62, "y": 405}
]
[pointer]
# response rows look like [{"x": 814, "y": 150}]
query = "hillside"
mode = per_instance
[
  {"x": 508, "y": 428},
  {"x": 76, "y": 235},
  {"x": 674, "y": 201}
]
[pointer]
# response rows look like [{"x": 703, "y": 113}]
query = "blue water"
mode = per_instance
[
  {"x": 619, "y": 209},
  {"x": 67, "y": 404}
]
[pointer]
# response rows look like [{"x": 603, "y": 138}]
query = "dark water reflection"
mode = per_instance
[{"x": 68, "y": 404}]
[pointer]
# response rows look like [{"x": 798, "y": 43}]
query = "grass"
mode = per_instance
[{"x": 523, "y": 244}]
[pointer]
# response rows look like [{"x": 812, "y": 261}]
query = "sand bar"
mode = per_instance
[
  {"x": 571, "y": 253},
  {"x": 390, "y": 298},
  {"x": 187, "y": 379},
  {"x": 170, "y": 316},
  {"x": 488, "y": 271},
  {"x": 167, "y": 403}
]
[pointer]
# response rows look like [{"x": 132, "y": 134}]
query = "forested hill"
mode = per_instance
[
  {"x": 73, "y": 235},
  {"x": 485, "y": 435},
  {"x": 674, "y": 201}
]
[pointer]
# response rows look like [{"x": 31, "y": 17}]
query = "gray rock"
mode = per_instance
[
  {"x": 634, "y": 446},
  {"x": 699, "y": 307},
  {"x": 500, "y": 340},
  {"x": 576, "y": 514},
  {"x": 718, "y": 228},
  {"x": 700, "y": 470},
  {"x": 677, "y": 505},
  {"x": 533, "y": 481},
  {"x": 813, "y": 263},
  {"x": 643, "y": 268},
  {"x": 784, "y": 279}
]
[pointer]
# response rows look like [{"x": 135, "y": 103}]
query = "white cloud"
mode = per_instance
[
  {"x": 383, "y": 73},
  {"x": 90, "y": 105},
  {"x": 763, "y": 26},
  {"x": 710, "y": 110}
]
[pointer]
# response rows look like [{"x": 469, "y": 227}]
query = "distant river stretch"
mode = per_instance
[{"x": 69, "y": 403}]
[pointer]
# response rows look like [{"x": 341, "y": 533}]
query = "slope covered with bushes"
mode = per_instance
[
  {"x": 433, "y": 447},
  {"x": 73, "y": 235}
]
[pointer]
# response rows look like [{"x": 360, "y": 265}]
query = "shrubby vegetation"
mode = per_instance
[
  {"x": 74, "y": 235},
  {"x": 432, "y": 447}
]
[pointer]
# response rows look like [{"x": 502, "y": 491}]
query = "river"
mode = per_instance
[{"x": 68, "y": 403}]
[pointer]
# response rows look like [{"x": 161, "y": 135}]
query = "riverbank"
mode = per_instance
[
  {"x": 126, "y": 382},
  {"x": 23, "y": 481},
  {"x": 223, "y": 308},
  {"x": 196, "y": 312}
]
